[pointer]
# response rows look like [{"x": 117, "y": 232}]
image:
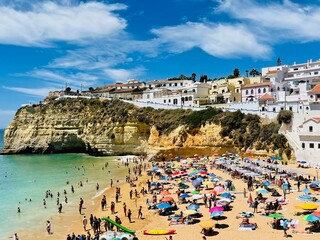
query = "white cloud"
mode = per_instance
[
  {"x": 122, "y": 75},
  {"x": 48, "y": 21},
  {"x": 37, "y": 92},
  {"x": 220, "y": 40},
  {"x": 278, "y": 21}
]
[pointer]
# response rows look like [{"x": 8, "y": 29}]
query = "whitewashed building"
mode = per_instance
[{"x": 252, "y": 92}]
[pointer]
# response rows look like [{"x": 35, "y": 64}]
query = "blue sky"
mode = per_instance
[{"x": 46, "y": 44}]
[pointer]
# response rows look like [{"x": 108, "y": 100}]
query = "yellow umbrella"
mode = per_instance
[
  {"x": 206, "y": 182},
  {"x": 308, "y": 206},
  {"x": 207, "y": 224},
  {"x": 189, "y": 212}
]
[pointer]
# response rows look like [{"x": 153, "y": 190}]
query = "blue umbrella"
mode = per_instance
[
  {"x": 196, "y": 183},
  {"x": 155, "y": 169},
  {"x": 211, "y": 175},
  {"x": 193, "y": 207},
  {"x": 305, "y": 198},
  {"x": 228, "y": 180},
  {"x": 226, "y": 195},
  {"x": 185, "y": 195},
  {"x": 306, "y": 190},
  {"x": 216, "y": 214},
  {"x": 200, "y": 179},
  {"x": 266, "y": 183},
  {"x": 317, "y": 182},
  {"x": 311, "y": 218},
  {"x": 263, "y": 191},
  {"x": 164, "y": 206},
  {"x": 154, "y": 184},
  {"x": 183, "y": 186}
]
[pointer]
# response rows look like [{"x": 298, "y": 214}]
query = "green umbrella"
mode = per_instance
[
  {"x": 275, "y": 215},
  {"x": 195, "y": 192}
]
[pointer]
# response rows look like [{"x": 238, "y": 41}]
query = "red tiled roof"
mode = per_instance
[
  {"x": 316, "y": 119},
  {"x": 266, "y": 96},
  {"x": 272, "y": 72},
  {"x": 316, "y": 89},
  {"x": 256, "y": 85}
]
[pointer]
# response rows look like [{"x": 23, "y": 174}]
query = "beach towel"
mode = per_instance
[{"x": 248, "y": 227}]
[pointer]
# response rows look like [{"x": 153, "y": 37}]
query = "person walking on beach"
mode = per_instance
[
  {"x": 60, "y": 208},
  {"x": 125, "y": 209},
  {"x": 129, "y": 215},
  {"x": 84, "y": 223},
  {"x": 48, "y": 227},
  {"x": 44, "y": 203},
  {"x": 113, "y": 207},
  {"x": 19, "y": 211},
  {"x": 140, "y": 212},
  {"x": 15, "y": 236},
  {"x": 80, "y": 205}
]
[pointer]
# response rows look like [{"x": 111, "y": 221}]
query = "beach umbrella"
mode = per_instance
[
  {"x": 196, "y": 183},
  {"x": 217, "y": 179},
  {"x": 199, "y": 179},
  {"x": 165, "y": 192},
  {"x": 155, "y": 169},
  {"x": 317, "y": 182},
  {"x": 183, "y": 186},
  {"x": 175, "y": 173},
  {"x": 316, "y": 213},
  {"x": 185, "y": 195},
  {"x": 226, "y": 195},
  {"x": 262, "y": 190},
  {"x": 306, "y": 190},
  {"x": 305, "y": 198},
  {"x": 308, "y": 206},
  {"x": 193, "y": 207},
  {"x": 225, "y": 200},
  {"x": 275, "y": 215},
  {"x": 207, "y": 224},
  {"x": 195, "y": 192},
  {"x": 154, "y": 184},
  {"x": 189, "y": 212},
  {"x": 216, "y": 209},
  {"x": 167, "y": 199},
  {"x": 219, "y": 189},
  {"x": 164, "y": 178},
  {"x": 211, "y": 175},
  {"x": 266, "y": 183},
  {"x": 197, "y": 196},
  {"x": 207, "y": 183},
  {"x": 164, "y": 205},
  {"x": 216, "y": 214},
  {"x": 311, "y": 218},
  {"x": 228, "y": 180}
]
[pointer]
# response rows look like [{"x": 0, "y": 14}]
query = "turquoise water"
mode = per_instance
[{"x": 29, "y": 176}]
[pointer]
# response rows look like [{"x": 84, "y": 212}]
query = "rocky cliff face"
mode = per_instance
[{"x": 102, "y": 127}]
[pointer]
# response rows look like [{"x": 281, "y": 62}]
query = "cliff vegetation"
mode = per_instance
[{"x": 104, "y": 127}]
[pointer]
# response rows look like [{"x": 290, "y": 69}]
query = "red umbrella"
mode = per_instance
[
  {"x": 167, "y": 199},
  {"x": 316, "y": 213},
  {"x": 216, "y": 209}
]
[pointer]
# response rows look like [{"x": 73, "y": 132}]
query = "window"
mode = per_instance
[
  {"x": 264, "y": 90},
  {"x": 164, "y": 101},
  {"x": 175, "y": 101},
  {"x": 247, "y": 92},
  {"x": 274, "y": 109},
  {"x": 251, "y": 91},
  {"x": 170, "y": 84},
  {"x": 307, "y": 108},
  {"x": 234, "y": 99},
  {"x": 290, "y": 108},
  {"x": 169, "y": 100},
  {"x": 282, "y": 108},
  {"x": 190, "y": 98},
  {"x": 237, "y": 91},
  {"x": 319, "y": 145},
  {"x": 148, "y": 96},
  {"x": 222, "y": 91},
  {"x": 181, "y": 84},
  {"x": 259, "y": 91},
  {"x": 316, "y": 73},
  {"x": 311, "y": 145},
  {"x": 303, "y": 145},
  {"x": 176, "y": 84},
  {"x": 310, "y": 128}
]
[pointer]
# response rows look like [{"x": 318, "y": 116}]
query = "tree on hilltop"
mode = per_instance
[{"x": 236, "y": 72}]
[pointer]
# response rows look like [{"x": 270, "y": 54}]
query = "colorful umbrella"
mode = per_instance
[
  {"x": 219, "y": 189},
  {"x": 308, "y": 206},
  {"x": 196, "y": 183},
  {"x": 316, "y": 213},
  {"x": 189, "y": 212},
  {"x": 185, "y": 195},
  {"x": 306, "y": 190},
  {"x": 311, "y": 218},
  {"x": 216, "y": 209},
  {"x": 195, "y": 192},
  {"x": 262, "y": 190},
  {"x": 275, "y": 215},
  {"x": 197, "y": 196},
  {"x": 164, "y": 206},
  {"x": 193, "y": 207},
  {"x": 167, "y": 199},
  {"x": 226, "y": 195},
  {"x": 199, "y": 179},
  {"x": 207, "y": 183},
  {"x": 216, "y": 214},
  {"x": 165, "y": 192},
  {"x": 207, "y": 224}
]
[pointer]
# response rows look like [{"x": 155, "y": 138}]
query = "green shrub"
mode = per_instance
[{"x": 284, "y": 116}]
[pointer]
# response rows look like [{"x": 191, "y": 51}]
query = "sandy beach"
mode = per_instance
[{"x": 71, "y": 221}]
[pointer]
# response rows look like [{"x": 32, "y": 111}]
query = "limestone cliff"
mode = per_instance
[{"x": 102, "y": 127}]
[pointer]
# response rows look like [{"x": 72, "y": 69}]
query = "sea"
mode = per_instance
[{"x": 24, "y": 180}]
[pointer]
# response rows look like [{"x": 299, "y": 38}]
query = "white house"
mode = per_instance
[
  {"x": 309, "y": 134},
  {"x": 303, "y": 72},
  {"x": 252, "y": 92}
]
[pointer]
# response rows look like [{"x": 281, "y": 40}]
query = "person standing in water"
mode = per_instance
[
  {"x": 15, "y": 236},
  {"x": 48, "y": 227}
]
